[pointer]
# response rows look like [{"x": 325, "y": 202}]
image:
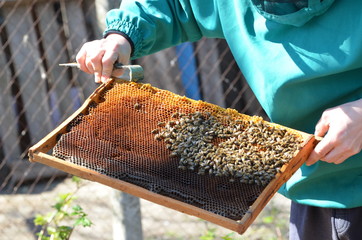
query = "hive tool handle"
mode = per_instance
[{"x": 132, "y": 73}]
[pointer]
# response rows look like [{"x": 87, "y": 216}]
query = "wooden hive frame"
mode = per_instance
[{"x": 40, "y": 153}]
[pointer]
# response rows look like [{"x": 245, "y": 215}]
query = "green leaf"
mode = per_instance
[
  {"x": 76, "y": 179},
  {"x": 84, "y": 221},
  {"x": 58, "y": 206},
  {"x": 228, "y": 236},
  {"x": 210, "y": 235},
  {"x": 41, "y": 236},
  {"x": 64, "y": 229},
  {"x": 64, "y": 232},
  {"x": 268, "y": 219},
  {"x": 40, "y": 220},
  {"x": 63, "y": 197},
  {"x": 77, "y": 209},
  {"x": 51, "y": 230},
  {"x": 62, "y": 201}
]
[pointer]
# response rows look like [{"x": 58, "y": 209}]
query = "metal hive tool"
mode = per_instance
[{"x": 192, "y": 156}]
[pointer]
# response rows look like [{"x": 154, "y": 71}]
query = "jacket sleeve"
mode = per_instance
[{"x": 153, "y": 25}]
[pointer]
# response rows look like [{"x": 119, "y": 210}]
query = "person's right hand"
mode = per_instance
[{"x": 97, "y": 57}]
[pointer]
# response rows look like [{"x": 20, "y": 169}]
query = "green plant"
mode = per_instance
[
  {"x": 54, "y": 223},
  {"x": 210, "y": 234},
  {"x": 228, "y": 236},
  {"x": 272, "y": 217}
]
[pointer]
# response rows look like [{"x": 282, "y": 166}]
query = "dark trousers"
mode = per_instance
[{"x": 314, "y": 223}]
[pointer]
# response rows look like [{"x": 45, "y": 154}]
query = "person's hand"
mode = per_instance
[
  {"x": 341, "y": 127},
  {"x": 97, "y": 57}
]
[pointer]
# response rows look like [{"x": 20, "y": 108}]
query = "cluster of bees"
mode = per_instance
[{"x": 248, "y": 151}]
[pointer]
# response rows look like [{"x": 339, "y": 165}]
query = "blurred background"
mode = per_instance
[{"x": 36, "y": 95}]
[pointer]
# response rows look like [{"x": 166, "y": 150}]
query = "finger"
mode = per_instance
[
  {"x": 95, "y": 63},
  {"x": 92, "y": 69},
  {"x": 81, "y": 59},
  {"x": 108, "y": 60},
  {"x": 343, "y": 148},
  {"x": 336, "y": 156},
  {"x": 313, "y": 158},
  {"x": 320, "y": 151},
  {"x": 322, "y": 126},
  {"x": 117, "y": 72}
]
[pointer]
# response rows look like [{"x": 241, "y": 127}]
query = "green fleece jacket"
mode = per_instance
[{"x": 299, "y": 58}]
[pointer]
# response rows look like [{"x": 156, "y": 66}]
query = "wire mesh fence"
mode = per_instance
[{"x": 36, "y": 95}]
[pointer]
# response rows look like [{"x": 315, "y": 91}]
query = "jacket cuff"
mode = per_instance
[
  {"x": 128, "y": 31},
  {"x": 106, "y": 33}
]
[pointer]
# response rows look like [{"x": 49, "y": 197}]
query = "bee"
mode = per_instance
[
  {"x": 137, "y": 106},
  {"x": 173, "y": 154},
  {"x": 175, "y": 115},
  {"x": 171, "y": 123},
  {"x": 182, "y": 167},
  {"x": 161, "y": 124},
  {"x": 158, "y": 137},
  {"x": 155, "y": 131}
]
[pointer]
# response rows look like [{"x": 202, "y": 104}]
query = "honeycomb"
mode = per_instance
[{"x": 212, "y": 158}]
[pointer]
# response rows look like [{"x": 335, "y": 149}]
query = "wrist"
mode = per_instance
[{"x": 122, "y": 38}]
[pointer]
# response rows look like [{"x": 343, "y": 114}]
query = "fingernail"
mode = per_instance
[
  {"x": 104, "y": 79},
  {"x": 309, "y": 162},
  {"x": 97, "y": 79}
]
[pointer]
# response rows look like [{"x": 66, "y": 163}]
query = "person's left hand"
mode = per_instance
[{"x": 341, "y": 129}]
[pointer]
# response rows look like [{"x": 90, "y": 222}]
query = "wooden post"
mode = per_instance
[
  {"x": 8, "y": 122},
  {"x": 127, "y": 224},
  {"x": 55, "y": 52},
  {"x": 29, "y": 71},
  {"x": 127, "y": 221},
  {"x": 77, "y": 34}
]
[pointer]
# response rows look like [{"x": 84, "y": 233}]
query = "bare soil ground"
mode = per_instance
[{"x": 159, "y": 223}]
